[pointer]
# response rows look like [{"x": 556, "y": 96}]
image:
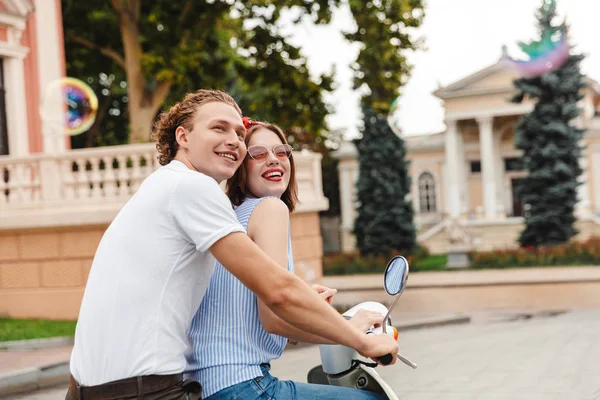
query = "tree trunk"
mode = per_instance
[
  {"x": 141, "y": 119},
  {"x": 143, "y": 103}
]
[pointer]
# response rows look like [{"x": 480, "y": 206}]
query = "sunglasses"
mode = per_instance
[{"x": 260, "y": 153}]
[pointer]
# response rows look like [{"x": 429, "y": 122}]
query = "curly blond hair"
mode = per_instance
[{"x": 182, "y": 114}]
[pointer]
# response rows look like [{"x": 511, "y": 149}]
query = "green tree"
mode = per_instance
[
  {"x": 550, "y": 143},
  {"x": 385, "y": 32},
  {"x": 164, "y": 49},
  {"x": 385, "y": 214},
  {"x": 107, "y": 80}
]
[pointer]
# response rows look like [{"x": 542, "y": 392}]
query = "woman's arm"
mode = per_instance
[{"x": 268, "y": 228}]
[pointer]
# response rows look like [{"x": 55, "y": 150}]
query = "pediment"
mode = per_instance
[
  {"x": 493, "y": 79},
  {"x": 497, "y": 78}
]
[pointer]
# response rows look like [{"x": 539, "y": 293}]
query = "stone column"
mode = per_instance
[
  {"x": 596, "y": 176},
  {"x": 50, "y": 64},
  {"x": 463, "y": 177},
  {"x": 501, "y": 189},
  {"x": 453, "y": 159},
  {"x": 348, "y": 175},
  {"x": 488, "y": 166},
  {"x": 583, "y": 206},
  {"x": 18, "y": 134}
]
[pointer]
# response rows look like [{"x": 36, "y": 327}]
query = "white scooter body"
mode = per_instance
[{"x": 339, "y": 367}]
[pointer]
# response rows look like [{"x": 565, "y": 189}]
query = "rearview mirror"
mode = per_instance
[{"x": 396, "y": 274}]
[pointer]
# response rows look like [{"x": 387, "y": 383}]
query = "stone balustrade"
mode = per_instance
[{"x": 88, "y": 186}]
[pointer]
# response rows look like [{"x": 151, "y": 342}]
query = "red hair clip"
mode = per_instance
[{"x": 248, "y": 123}]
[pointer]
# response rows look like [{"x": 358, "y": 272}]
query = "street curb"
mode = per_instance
[
  {"x": 36, "y": 344},
  {"x": 434, "y": 322},
  {"x": 34, "y": 378}
]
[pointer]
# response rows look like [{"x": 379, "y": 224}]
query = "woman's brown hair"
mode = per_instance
[
  {"x": 182, "y": 114},
  {"x": 237, "y": 185}
]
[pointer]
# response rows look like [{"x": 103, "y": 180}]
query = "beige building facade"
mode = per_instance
[{"x": 468, "y": 173}]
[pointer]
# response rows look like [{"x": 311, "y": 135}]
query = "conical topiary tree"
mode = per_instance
[{"x": 384, "y": 223}]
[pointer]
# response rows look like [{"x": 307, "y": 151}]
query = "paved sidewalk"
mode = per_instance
[
  {"x": 541, "y": 358},
  {"x": 21, "y": 359}
]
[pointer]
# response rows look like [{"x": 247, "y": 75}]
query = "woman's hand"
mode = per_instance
[
  {"x": 364, "y": 319},
  {"x": 325, "y": 292}
]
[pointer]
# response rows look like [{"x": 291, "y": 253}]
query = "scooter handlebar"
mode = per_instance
[{"x": 385, "y": 360}]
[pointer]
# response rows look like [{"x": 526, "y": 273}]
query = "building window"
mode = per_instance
[
  {"x": 3, "y": 125},
  {"x": 513, "y": 164},
  {"x": 427, "y": 193},
  {"x": 475, "y": 167}
]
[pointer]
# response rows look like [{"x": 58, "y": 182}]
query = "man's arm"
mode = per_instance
[{"x": 292, "y": 299}]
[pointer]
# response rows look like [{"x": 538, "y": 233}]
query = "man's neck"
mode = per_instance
[{"x": 184, "y": 160}]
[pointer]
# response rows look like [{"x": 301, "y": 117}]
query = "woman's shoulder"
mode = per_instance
[
  {"x": 269, "y": 213},
  {"x": 263, "y": 202},
  {"x": 260, "y": 205},
  {"x": 272, "y": 203}
]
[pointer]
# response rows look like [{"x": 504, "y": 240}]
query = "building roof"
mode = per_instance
[
  {"x": 469, "y": 85},
  {"x": 425, "y": 142}
]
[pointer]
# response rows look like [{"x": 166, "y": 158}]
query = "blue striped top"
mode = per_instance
[{"x": 228, "y": 341}]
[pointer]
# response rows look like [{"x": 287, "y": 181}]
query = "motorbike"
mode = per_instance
[{"x": 343, "y": 366}]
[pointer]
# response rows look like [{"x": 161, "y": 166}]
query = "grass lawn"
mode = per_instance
[
  {"x": 434, "y": 262},
  {"x": 21, "y": 329}
]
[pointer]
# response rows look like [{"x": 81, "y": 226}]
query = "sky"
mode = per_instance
[{"x": 461, "y": 37}]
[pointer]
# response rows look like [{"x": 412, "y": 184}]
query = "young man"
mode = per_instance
[{"x": 154, "y": 263}]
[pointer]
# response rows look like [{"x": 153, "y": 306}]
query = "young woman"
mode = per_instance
[{"x": 234, "y": 335}]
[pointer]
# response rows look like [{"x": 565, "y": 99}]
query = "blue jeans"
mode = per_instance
[{"x": 268, "y": 387}]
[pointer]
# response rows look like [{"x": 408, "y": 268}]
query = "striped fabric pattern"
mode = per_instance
[{"x": 228, "y": 341}]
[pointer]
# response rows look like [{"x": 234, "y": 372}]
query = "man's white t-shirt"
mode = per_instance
[{"x": 148, "y": 277}]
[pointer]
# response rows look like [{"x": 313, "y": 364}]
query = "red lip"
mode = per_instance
[{"x": 273, "y": 179}]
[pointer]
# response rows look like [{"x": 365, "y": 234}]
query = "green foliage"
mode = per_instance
[
  {"x": 110, "y": 127},
  {"x": 102, "y": 74},
  {"x": 384, "y": 223},
  {"x": 354, "y": 263},
  {"x": 235, "y": 46},
  {"x": 573, "y": 253},
  {"x": 550, "y": 145},
  {"x": 385, "y": 216},
  {"x": 21, "y": 329},
  {"x": 384, "y": 31}
]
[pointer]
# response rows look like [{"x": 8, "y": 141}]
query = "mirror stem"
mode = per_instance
[{"x": 389, "y": 312}]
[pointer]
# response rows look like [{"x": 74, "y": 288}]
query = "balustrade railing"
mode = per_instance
[
  {"x": 107, "y": 176},
  {"x": 85, "y": 175}
]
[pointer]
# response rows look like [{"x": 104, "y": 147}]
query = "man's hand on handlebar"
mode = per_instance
[{"x": 379, "y": 346}]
